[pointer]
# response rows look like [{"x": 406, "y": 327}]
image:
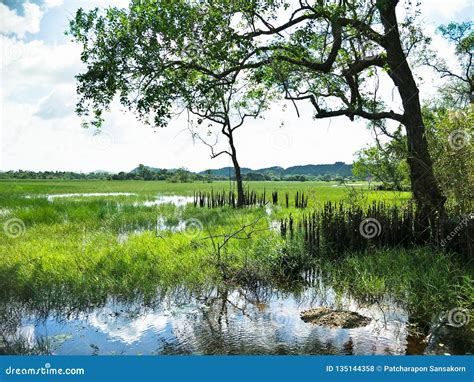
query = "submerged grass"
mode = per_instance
[
  {"x": 89, "y": 248},
  {"x": 93, "y": 263},
  {"x": 426, "y": 282}
]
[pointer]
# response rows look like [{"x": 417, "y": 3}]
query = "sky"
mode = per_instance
[{"x": 40, "y": 131}]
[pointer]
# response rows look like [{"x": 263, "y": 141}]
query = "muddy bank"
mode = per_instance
[{"x": 334, "y": 318}]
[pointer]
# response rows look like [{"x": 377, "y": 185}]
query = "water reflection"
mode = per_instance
[
  {"x": 176, "y": 200},
  {"x": 259, "y": 320},
  {"x": 51, "y": 197},
  {"x": 162, "y": 225}
]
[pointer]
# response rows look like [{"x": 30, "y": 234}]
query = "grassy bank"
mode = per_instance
[
  {"x": 81, "y": 249},
  {"x": 319, "y": 192},
  {"x": 61, "y": 261},
  {"x": 426, "y": 282}
]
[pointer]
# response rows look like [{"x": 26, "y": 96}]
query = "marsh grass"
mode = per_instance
[
  {"x": 317, "y": 192},
  {"x": 86, "y": 263},
  {"x": 70, "y": 252},
  {"x": 426, "y": 282}
]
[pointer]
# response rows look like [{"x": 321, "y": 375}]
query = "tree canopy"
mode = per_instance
[{"x": 158, "y": 54}]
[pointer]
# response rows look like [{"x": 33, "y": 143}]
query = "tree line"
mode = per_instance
[
  {"x": 173, "y": 176},
  {"x": 68, "y": 175}
]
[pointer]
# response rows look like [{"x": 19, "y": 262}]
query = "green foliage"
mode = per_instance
[
  {"x": 461, "y": 34},
  {"x": 181, "y": 176},
  {"x": 450, "y": 135},
  {"x": 21, "y": 174},
  {"x": 386, "y": 163},
  {"x": 423, "y": 280},
  {"x": 458, "y": 91},
  {"x": 159, "y": 54}
]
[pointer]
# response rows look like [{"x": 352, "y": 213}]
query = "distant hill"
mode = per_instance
[
  {"x": 336, "y": 169},
  {"x": 295, "y": 173},
  {"x": 101, "y": 172},
  {"x": 225, "y": 171}
]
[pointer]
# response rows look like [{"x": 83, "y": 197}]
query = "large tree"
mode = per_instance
[
  {"x": 160, "y": 58},
  {"x": 325, "y": 52},
  {"x": 332, "y": 54},
  {"x": 449, "y": 126},
  {"x": 226, "y": 105}
]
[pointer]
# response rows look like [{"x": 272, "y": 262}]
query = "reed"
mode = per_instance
[{"x": 339, "y": 227}]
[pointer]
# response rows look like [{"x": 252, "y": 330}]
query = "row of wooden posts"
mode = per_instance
[
  {"x": 212, "y": 199},
  {"x": 339, "y": 227}
]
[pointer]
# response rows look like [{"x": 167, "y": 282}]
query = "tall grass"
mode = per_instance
[
  {"x": 72, "y": 249},
  {"x": 426, "y": 282}
]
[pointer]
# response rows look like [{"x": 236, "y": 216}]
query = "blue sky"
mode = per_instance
[{"x": 39, "y": 130}]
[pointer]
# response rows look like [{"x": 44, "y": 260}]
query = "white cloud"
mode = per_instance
[
  {"x": 53, "y": 3},
  {"x": 32, "y": 70},
  {"x": 125, "y": 328},
  {"x": 447, "y": 8},
  {"x": 58, "y": 103},
  {"x": 11, "y": 22},
  {"x": 40, "y": 131}
]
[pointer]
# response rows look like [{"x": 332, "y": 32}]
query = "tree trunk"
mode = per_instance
[
  {"x": 426, "y": 192},
  {"x": 238, "y": 174},
  {"x": 240, "y": 185}
]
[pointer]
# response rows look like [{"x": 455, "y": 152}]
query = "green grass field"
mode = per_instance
[
  {"x": 320, "y": 191},
  {"x": 27, "y": 200},
  {"x": 91, "y": 247}
]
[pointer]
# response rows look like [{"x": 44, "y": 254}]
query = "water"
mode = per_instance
[
  {"x": 239, "y": 321},
  {"x": 51, "y": 197},
  {"x": 177, "y": 200},
  {"x": 162, "y": 225}
]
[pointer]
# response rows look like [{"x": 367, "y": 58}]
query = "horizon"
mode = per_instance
[{"x": 176, "y": 168}]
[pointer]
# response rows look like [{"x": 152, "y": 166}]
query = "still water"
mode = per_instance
[
  {"x": 256, "y": 320},
  {"x": 240, "y": 321}
]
